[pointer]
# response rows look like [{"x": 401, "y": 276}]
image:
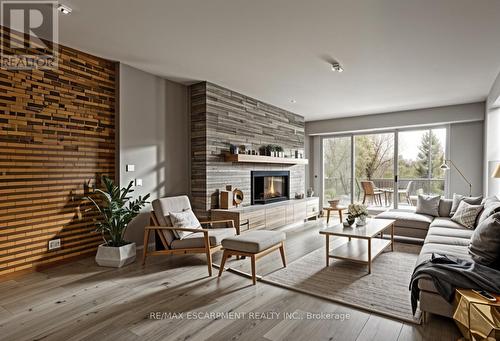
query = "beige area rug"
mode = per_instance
[{"x": 384, "y": 291}]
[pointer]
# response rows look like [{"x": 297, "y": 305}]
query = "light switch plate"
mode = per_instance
[
  {"x": 138, "y": 182},
  {"x": 54, "y": 244},
  {"x": 130, "y": 168}
]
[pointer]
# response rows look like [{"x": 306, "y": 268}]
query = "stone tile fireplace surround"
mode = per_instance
[{"x": 220, "y": 117}]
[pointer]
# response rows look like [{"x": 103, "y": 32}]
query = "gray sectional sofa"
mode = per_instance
[{"x": 441, "y": 235}]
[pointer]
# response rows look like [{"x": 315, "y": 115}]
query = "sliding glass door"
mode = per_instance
[
  {"x": 421, "y": 153},
  {"x": 374, "y": 169},
  {"x": 337, "y": 160},
  {"x": 365, "y": 167}
]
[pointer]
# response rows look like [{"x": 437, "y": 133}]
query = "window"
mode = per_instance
[{"x": 373, "y": 159}]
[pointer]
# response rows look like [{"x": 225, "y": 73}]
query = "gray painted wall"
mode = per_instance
[
  {"x": 492, "y": 139},
  {"x": 465, "y": 138},
  {"x": 466, "y": 151},
  {"x": 154, "y": 136},
  {"x": 399, "y": 119}
]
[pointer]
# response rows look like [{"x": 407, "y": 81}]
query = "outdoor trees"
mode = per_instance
[
  {"x": 429, "y": 143},
  {"x": 374, "y": 156},
  {"x": 337, "y": 154},
  {"x": 429, "y": 159}
]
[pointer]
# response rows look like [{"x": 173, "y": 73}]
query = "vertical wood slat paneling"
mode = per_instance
[
  {"x": 57, "y": 132},
  {"x": 220, "y": 117}
]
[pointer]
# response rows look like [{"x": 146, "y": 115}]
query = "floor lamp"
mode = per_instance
[{"x": 445, "y": 167}]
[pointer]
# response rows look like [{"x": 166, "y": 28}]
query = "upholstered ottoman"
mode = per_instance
[{"x": 253, "y": 244}]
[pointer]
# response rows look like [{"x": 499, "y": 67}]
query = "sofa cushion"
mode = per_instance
[
  {"x": 445, "y": 207},
  {"x": 196, "y": 239},
  {"x": 485, "y": 242},
  {"x": 254, "y": 241},
  {"x": 428, "y": 204},
  {"x": 466, "y": 214},
  {"x": 458, "y": 251},
  {"x": 461, "y": 232},
  {"x": 491, "y": 206},
  {"x": 458, "y": 198},
  {"x": 449, "y": 249},
  {"x": 405, "y": 218},
  {"x": 446, "y": 222},
  {"x": 447, "y": 240}
]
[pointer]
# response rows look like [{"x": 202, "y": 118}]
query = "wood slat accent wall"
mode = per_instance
[
  {"x": 57, "y": 131},
  {"x": 219, "y": 117}
]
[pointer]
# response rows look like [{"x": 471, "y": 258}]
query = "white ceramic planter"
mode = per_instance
[{"x": 115, "y": 257}]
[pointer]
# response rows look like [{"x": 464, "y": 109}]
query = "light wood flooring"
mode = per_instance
[{"x": 81, "y": 301}]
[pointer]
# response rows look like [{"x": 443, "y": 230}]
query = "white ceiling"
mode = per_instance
[{"x": 397, "y": 54}]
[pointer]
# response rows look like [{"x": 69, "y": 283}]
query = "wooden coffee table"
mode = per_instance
[{"x": 362, "y": 246}]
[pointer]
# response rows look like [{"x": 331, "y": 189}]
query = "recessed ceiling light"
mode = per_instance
[
  {"x": 64, "y": 9},
  {"x": 293, "y": 101},
  {"x": 336, "y": 67}
]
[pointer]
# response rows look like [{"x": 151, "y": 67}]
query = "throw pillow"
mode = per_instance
[
  {"x": 445, "y": 207},
  {"x": 427, "y": 204},
  {"x": 484, "y": 244},
  {"x": 491, "y": 206},
  {"x": 184, "y": 219},
  {"x": 457, "y": 198},
  {"x": 466, "y": 214}
]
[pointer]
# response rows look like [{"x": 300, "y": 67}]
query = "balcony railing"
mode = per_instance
[{"x": 340, "y": 188}]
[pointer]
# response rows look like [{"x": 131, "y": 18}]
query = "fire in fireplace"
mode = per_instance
[{"x": 270, "y": 186}]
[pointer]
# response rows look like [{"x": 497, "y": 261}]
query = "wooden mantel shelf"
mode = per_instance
[{"x": 264, "y": 159}]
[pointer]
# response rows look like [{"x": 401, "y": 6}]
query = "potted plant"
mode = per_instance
[
  {"x": 269, "y": 150},
  {"x": 357, "y": 212},
  {"x": 279, "y": 149},
  {"x": 114, "y": 217}
]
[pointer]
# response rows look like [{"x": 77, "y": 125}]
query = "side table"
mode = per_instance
[
  {"x": 338, "y": 209},
  {"x": 476, "y": 317}
]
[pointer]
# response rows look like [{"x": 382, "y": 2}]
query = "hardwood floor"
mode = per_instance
[{"x": 81, "y": 301}]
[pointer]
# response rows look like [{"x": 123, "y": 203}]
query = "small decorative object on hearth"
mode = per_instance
[
  {"x": 226, "y": 199},
  {"x": 310, "y": 192},
  {"x": 299, "y": 195},
  {"x": 357, "y": 212},
  {"x": 237, "y": 197},
  {"x": 113, "y": 217}
]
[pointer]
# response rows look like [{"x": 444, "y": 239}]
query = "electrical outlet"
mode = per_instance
[
  {"x": 138, "y": 182},
  {"x": 54, "y": 244}
]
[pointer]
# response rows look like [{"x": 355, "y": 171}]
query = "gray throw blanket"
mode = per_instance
[{"x": 449, "y": 273}]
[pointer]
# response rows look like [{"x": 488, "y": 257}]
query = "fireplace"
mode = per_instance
[{"x": 270, "y": 186}]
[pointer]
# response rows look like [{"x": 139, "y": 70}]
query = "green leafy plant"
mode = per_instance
[{"x": 114, "y": 213}]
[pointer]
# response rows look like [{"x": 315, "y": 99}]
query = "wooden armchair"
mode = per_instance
[{"x": 202, "y": 240}]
